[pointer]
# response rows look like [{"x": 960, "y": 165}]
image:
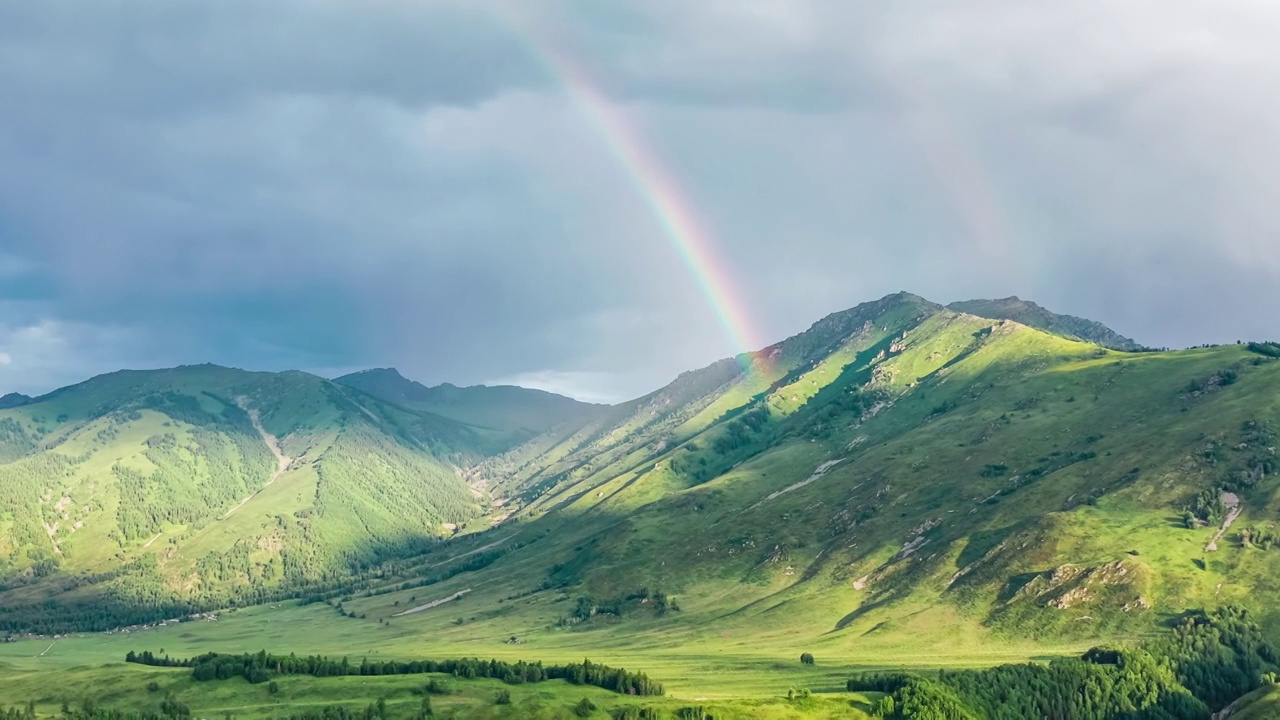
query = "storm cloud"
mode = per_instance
[{"x": 332, "y": 185}]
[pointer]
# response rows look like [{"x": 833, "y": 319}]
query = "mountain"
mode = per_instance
[
  {"x": 1032, "y": 315},
  {"x": 902, "y": 484},
  {"x": 512, "y": 414},
  {"x": 199, "y": 486},
  {"x": 13, "y": 399},
  {"x": 898, "y": 468}
]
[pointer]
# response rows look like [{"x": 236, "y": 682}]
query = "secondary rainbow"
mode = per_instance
[{"x": 687, "y": 234}]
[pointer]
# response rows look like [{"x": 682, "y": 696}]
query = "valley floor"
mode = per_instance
[{"x": 743, "y": 681}]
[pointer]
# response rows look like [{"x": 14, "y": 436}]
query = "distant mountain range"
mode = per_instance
[{"x": 515, "y": 414}]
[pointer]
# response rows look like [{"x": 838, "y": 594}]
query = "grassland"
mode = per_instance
[
  {"x": 738, "y": 679},
  {"x": 1261, "y": 704}
]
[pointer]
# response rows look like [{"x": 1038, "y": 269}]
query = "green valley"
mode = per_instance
[{"x": 905, "y": 487}]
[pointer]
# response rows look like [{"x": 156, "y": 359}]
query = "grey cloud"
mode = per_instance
[
  {"x": 335, "y": 185},
  {"x": 164, "y": 59}
]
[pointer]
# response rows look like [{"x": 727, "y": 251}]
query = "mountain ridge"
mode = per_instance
[
  {"x": 13, "y": 399},
  {"x": 1033, "y": 315},
  {"x": 515, "y": 414},
  {"x": 895, "y": 457}
]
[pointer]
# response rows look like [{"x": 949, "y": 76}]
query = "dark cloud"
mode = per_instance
[{"x": 332, "y": 185}]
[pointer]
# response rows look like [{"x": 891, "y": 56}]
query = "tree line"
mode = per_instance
[
  {"x": 1209, "y": 660},
  {"x": 260, "y": 667}
]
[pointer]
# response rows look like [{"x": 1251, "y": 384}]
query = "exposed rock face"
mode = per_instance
[{"x": 1070, "y": 586}]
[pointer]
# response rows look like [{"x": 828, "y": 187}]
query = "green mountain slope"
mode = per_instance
[
  {"x": 898, "y": 469},
  {"x": 901, "y": 485},
  {"x": 901, "y": 478},
  {"x": 511, "y": 415},
  {"x": 198, "y": 486},
  {"x": 643, "y": 429},
  {"x": 1032, "y": 315}
]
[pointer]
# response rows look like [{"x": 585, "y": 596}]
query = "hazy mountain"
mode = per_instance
[
  {"x": 514, "y": 414},
  {"x": 1032, "y": 315},
  {"x": 13, "y": 399}
]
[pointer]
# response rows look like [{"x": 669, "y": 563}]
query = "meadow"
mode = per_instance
[{"x": 740, "y": 677}]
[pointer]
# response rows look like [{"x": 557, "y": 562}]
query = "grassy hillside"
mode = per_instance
[
  {"x": 186, "y": 488},
  {"x": 900, "y": 485},
  {"x": 1262, "y": 704},
  {"x": 506, "y": 414},
  {"x": 898, "y": 469}
]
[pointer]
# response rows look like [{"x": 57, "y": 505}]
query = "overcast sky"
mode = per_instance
[{"x": 332, "y": 185}]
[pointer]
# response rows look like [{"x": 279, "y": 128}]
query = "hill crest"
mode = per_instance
[
  {"x": 515, "y": 414},
  {"x": 1034, "y": 315},
  {"x": 14, "y": 399}
]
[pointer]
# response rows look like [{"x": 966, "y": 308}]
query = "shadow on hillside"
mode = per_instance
[
  {"x": 853, "y": 617},
  {"x": 1013, "y": 584},
  {"x": 882, "y": 625}
]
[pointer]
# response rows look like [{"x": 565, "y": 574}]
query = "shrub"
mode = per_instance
[
  {"x": 1268, "y": 349},
  {"x": 884, "y": 707},
  {"x": 584, "y": 708},
  {"x": 502, "y": 698},
  {"x": 806, "y": 658},
  {"x": 801, "y": 694},
  {"x": 992, "y": 471},
  {"x": 436, "y": 687}
]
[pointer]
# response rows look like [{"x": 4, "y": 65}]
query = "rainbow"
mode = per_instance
[
  {"x": 959, "y": 174},
  {"x": 692, "y": 240}
]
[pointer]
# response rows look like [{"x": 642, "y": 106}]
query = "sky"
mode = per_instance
[{"x": 329, "y": 185}]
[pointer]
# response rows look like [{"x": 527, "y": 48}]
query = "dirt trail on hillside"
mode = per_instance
[
  {"x": 360, "y": 407},
  {"x": 482, "y": 548},
  {"x": 273, "y": 443},
  {"x": 52, "y": 532},
  {"x": 147, "y": 544},
  {"x": 1234, "y": 508},
  {"x": 1227, "y": 711},
  {"x": 434, "y": 603},
  {"x": 817, "y": 475}
]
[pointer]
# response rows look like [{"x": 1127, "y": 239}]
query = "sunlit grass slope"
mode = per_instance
[{"x": 912, "y": 479}]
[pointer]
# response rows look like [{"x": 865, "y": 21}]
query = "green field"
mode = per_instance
[{"x": 744, "y": 676}]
